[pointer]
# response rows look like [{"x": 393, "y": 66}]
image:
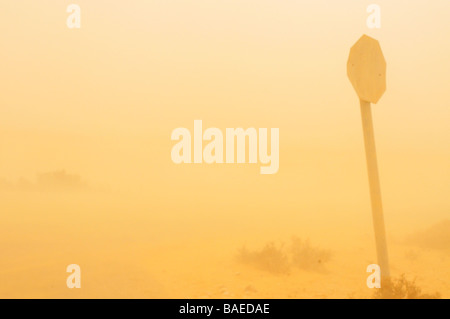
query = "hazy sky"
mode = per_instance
[{"x": 102, "y": 101}]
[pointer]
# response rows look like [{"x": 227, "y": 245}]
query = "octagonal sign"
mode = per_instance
[{"x": 366, "y": 69}]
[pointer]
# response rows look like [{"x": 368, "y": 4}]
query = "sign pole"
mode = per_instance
[
  {"x": 366, "y": 69},
  {"x": 374, "y": 185}
]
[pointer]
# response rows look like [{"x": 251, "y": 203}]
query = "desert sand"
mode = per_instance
[{"x": 125, "y": 254}]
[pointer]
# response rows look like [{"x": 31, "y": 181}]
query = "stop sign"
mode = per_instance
[{"x": 366, "y": 69}]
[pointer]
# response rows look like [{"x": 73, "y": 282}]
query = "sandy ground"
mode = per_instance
[{"x": 124, "y": 256}]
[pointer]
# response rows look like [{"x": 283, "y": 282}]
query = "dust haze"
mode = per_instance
[
  {"x": 86, "y": 175},
  {"x": 301, "y": 233}
]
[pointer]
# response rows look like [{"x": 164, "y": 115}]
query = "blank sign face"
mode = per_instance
[{"x": 366, "y": 69}]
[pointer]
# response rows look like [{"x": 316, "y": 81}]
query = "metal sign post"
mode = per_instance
[{"x": 366, "y": 69}]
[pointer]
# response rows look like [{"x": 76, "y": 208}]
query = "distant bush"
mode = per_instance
[
  {"x": 51, "y": 181},
  {"x": 307, "y": 257},
  {"x": 402, "y": 288},
  {"x": 275, "y": 259},
  {"x": 271, "y": 258},
  {"x": 60, "y": 180},
  {"x": 436, "y": 237}
]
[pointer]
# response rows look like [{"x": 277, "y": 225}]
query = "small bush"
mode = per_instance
[
  {"x": 436, "y": 237},
  {"x": 402, "y": 288},
  {"x": 271, "y": 258},
  {"x": 307, "y": 257},
  {"x": 274, "y": 259}
]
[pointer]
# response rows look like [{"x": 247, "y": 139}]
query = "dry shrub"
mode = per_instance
[
  {"x": 436, "y": 237},
  {"x": 403, "y": 288},
  {"x": 271, "y": 258},
  {"x": 274, "y": 259},
  {"x": 307, "y": 257}
]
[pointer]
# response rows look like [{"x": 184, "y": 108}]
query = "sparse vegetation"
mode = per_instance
[
  {"x": 271, "y": 258},
  {"x": 307, "y": 257},
  {"x": 50, "y": 181},
  {"x": 275, "y": 259},
  {"x": 436, "y": 237},
  {"x": 402, "y": 288}
]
